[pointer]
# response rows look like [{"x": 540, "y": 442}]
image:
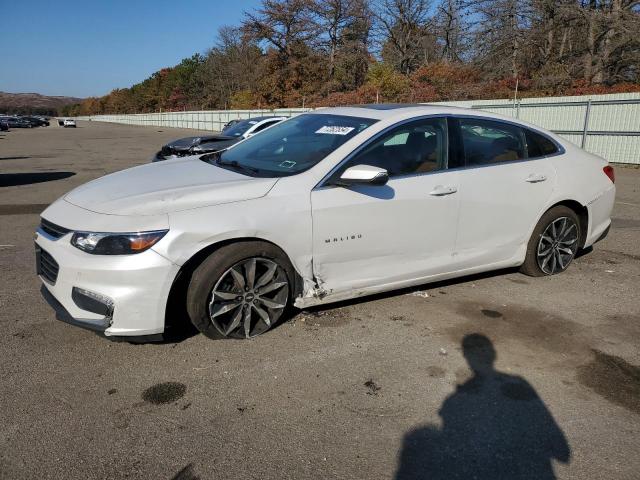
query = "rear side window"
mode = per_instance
[
  {"x": 486, "y": 142},
  {"x": 538, "y": 145}
]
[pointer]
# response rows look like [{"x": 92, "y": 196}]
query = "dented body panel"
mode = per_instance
[{"x": 368, "y": 235}]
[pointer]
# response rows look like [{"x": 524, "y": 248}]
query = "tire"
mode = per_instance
[
  {"x": 553, "y": 244},
  {"x": 263, "y": 297}
]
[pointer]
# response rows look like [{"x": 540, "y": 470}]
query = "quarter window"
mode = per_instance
[
  {"x": 539, "y": 145},
  {"x": 413, "y": 148},
  {"x": 486, "y": 142}
]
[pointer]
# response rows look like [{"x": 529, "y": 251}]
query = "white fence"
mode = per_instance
[
  {"x": 607, "y": 125},
  {"x": 212, "y": 120}
]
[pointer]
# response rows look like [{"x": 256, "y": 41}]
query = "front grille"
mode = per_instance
[
  {"x": 56, "y": 231},
  {"x": 46, "y": 266}
]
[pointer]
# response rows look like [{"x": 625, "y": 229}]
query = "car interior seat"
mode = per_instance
[{"x": 504, "y": 149}]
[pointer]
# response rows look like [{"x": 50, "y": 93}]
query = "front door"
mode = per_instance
[{"x": 366, "y": 235}]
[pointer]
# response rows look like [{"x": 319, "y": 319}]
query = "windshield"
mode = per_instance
[
  {"x": 238, "y": 129},
  {"x": 293, "y": 146}
]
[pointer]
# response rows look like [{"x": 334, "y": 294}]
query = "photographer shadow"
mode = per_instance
[{"x": 494, "y": 426}]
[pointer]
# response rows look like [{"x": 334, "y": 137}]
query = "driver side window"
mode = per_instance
[{"x": 410, "y": 149}]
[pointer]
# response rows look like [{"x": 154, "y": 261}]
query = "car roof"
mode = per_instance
[
  {"x": 388, "y": 106},
  {"x": 407, "y": 110},
  {"x": 388, "y": 110}
]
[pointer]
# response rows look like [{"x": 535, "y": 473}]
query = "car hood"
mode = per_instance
[
  {"x": 165, "y": 187},
  {"x": 217, "y": 144}
]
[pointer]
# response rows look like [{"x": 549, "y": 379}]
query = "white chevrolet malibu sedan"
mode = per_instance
[{"x": 326, "y": 206}]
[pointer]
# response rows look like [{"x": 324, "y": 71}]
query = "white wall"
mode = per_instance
[{"x": 613, "y": 129}]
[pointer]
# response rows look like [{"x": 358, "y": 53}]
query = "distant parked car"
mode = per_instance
[
  {"x": 43, "y": 121},
  {"x": 17, "y": 122},
  {"x": 36, "y": 121},
  {"x": 229, "y": 124},
  {"x": 242, "y": 129},
  {"x": 4, "y": 126},
  {"x": 68, "y": 122}
]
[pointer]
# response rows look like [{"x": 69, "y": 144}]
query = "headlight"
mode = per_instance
[{"x": 116, "y": 243}]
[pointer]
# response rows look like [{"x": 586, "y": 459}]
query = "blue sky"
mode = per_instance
[{"x": 90, "y": 47}]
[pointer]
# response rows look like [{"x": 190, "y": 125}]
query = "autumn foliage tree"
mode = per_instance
[{"x": 287, "y": 53}]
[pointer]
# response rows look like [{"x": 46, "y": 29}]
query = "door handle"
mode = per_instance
[
  {"x": 535, "y": 178},
  {"x": 441, "y": 190}
]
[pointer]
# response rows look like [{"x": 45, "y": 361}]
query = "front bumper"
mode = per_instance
[{"x": 135, "y": 287}]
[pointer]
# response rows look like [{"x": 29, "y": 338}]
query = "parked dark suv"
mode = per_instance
[{"x": 17, "y": 122}]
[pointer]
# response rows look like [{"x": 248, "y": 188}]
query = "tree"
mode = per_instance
[
  {"x": 611, "y": 43},
  {"x": 450, "y": 29},
  {"x": 291, "y": 65},
  {"x": 335, "y": 21},
  {"x": 232, "y": 65},
  {"x": 282, "y": 24},
  {"x": 353, "y": 57},
  {"x": 406, "y": 38},
  {"x": 499, "y": 35},
  {"x": 389, "y": 84},
  {"x": 326, "y": 52}
]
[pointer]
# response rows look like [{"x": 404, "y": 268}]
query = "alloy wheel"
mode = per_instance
[
  {"x": 249, "y": 298},
  {"x": 558, "y": 245}
]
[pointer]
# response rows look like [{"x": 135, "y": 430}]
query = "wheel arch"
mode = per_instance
[
  {"x": 580, "y": 210},
  {"x": 176, "y": 315}
]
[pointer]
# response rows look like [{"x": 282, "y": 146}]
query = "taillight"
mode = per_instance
[{"x": 609, "y": 172}]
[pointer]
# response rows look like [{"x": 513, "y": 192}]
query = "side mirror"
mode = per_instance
[{"x": 363, "y": 175}]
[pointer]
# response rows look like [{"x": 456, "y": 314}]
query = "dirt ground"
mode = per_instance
[{"x": 493, "y": 376}]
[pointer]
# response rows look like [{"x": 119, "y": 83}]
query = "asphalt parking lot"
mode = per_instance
[{"x": 382, "y": 387}]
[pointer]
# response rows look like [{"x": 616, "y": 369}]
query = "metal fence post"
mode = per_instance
[{"x": 585, "y": 129}]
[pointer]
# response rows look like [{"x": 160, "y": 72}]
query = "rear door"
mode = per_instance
[
  {"x": 503, "y": 190},
  {"x": 365, "y": 235}
]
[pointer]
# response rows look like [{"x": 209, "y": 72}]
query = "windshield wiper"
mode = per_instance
[
  {"x": 216, "y": 159},
  {"x": 236, "y": 165}
]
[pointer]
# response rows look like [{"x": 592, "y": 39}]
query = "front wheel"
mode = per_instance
[
  {"x": 240, "y": 290},
  {"x": 553, "y": 244}
]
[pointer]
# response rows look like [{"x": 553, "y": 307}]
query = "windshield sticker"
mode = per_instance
[
  {"x": 335, "y": 130},
  {"x": 287, "y": 164}
]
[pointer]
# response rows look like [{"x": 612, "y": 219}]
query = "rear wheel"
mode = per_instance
[
  {"x": 553, "y": 244},
  {"x": 240, "y": 290}
]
